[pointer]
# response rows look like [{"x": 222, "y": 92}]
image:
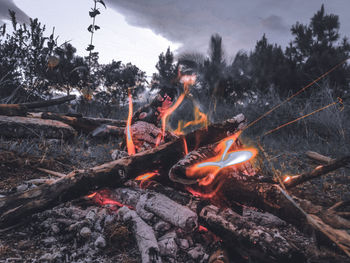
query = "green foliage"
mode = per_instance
[{"x": 167, "y": 71}]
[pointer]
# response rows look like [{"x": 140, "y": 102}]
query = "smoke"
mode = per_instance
[
  {"x": 241, "y": 23},
  {"x": 6, "y": 5}
]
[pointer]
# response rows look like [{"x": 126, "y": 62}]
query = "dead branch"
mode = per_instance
[
  {"x": 84, "y": 124},
  {"x": 317, "y": 172},
  {"x": 19, "y": 127},
  {"x": 22, "y": 108}
]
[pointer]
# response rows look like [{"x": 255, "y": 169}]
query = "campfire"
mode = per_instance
[{"x": 196, "y": 193}]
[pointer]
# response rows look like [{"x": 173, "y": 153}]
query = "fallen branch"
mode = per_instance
[
  {"x": 317, "y": 172},
  {"x": 51, "y": 172},
  {"x": 22, "y": 108},
  {"x": 20, "y": 127},
  {"x": 84, "y": 124}
]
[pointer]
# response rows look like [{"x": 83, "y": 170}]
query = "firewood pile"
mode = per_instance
[{"x": 160, "y": 205}]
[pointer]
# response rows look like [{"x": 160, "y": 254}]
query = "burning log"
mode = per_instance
[
  {"x": 273, "y": 242},
  {"x": 144, "y": 234},
  {"x": 22, "y": 108},
  {"x": 20, "y": 127},
  {"x": 16, "y": 207}
]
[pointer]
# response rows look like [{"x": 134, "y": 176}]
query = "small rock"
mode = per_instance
[
  {"x": 22, "y": 188},
  {"x": 118, "y": 154},
  {"x": 49, "y": 241},
  {"x": 85, "y": 232},
  {"x": 55, "y": 229},
  {"x": 183, "y": 243},
  {"x": 197, "y": 252},
  {"x": 47, "y": 257},
  {"x": 100, "y": 242},
  {"x": 91, "y": 215}
]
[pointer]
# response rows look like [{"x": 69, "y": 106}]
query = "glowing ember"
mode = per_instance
[
  {"x": 129, "y": 142},
  {"x": 202, "y": 228},
  {"x": 286, "y": 179},
  {"x": 102, "y": 199},
  {"x": 185, "y": 145},
  {"x": 92, "y": 195},
  {"x": 146, "y": 176}
]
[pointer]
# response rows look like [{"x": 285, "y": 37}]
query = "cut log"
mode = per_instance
[
  {"x": 273, "y": 242},
  {"x": 18, "y": 206},
  {"x": 170, "y": 211},
  {"x": 22, "y": 108},
  {"x": 84, "y": 124},
  {"x": 144, "y": 235},
  {"x": 21, "y": 127},
  {"x": 159, "y": 205}
]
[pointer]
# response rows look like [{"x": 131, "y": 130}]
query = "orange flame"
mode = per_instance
[
  {"x": 187, "y": 80},
  {"x": 199, "y": 119},
  {"x": 129, "y": 142},
  {"x": 205, "y": 195}
]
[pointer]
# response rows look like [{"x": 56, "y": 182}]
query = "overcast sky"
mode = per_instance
[{"x": 138, "y": 31}]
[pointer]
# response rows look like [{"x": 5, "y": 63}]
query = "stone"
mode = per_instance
[
  {"x": 100, "y": 242},
  {"x": 85, "y": 232},
  {"x": 49, "y": 241},
  {"x": 46, "y": 257},
  {"x": 91, "y": 215},
  {"x": 55, "y": 229},
  {"x": 197, "y": 252},
  {"x": 183, "y": 243},
  {"x": 22, "y": 188}
]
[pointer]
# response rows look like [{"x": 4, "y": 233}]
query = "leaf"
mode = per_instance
[
  {"x": 102, "y": 3},
  {"x": 90, "y": 28},
  {"x": 94, "y": 12},
  {"x": 97, "y": 27},
  {"x": 90, "y": 47}
]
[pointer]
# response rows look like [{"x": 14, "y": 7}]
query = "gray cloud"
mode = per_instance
[
  {"x": 241, "y": 23},
  {"x": 274, "y": 22},
  {"x": 5, "y": 5}
]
